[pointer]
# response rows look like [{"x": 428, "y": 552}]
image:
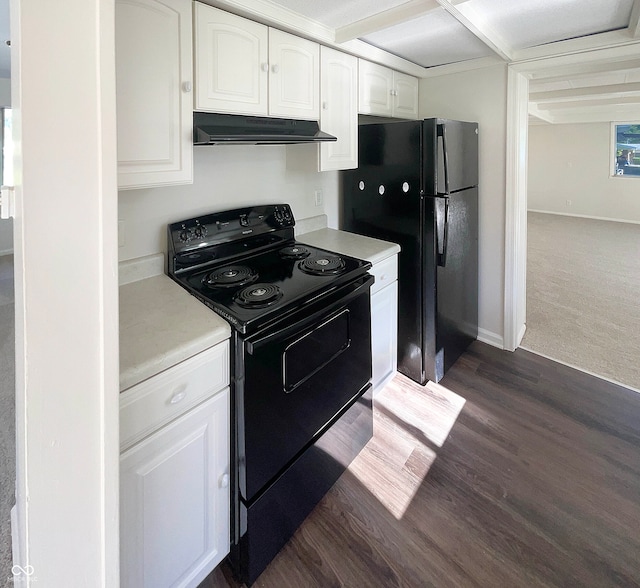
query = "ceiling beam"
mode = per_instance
[
  {"x": 588, "y": 93},
  {"x": 388, "y": 18},
  {"x": 470, "y": 19},
  {"x": 578, "y": 104},
  {"x": 585, "y": 71},
  {"x": 385, "y": 19},
  {"x": 634, "y": 21}
]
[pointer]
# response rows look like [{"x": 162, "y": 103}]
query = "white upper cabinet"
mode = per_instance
[
  {"x": 405, "y": 96},
  {"x": 231, "y": 63},
  {"x": 243, "y": 67},
  {"x": 384, "y": 92},
  {"x": 153, "y": 92},
  {"x": 338, "y": 109},
  {"x": 294, "y": 76},
  {"x": 376, "y": 89}
]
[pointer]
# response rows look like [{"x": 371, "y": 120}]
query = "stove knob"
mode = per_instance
[
  {"x": 278, "y": 215},
  {"x": 287, "y": 214},
  {"x": 185, "y": 235},
  {"x": 244, "y": 221},
  {"x": 200, "y": 232}
]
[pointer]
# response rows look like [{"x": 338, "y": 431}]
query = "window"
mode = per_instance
[
  {"x": 6, "y": 148},
  {"x": 626, "y": 149}
]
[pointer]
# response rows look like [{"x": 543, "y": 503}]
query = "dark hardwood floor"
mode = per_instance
[{"x": 515, "y": 472}]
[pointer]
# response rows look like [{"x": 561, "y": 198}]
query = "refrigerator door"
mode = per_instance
[
  {"x": 451, "y": 155},
  {"x": 451, "y": 309},
  {"x": 382, "y": 199}
]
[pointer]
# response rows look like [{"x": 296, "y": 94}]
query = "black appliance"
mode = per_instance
[
  {"x": 232, "y": 129},
  {"x": 417, "y": 185},
  {"x": 301, "y": 365}
]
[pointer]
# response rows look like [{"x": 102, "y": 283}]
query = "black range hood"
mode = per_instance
[{"x": 232, "y": 129}]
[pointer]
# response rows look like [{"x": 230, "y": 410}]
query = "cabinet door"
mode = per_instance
[
  {"x": 384, "y": 335},
  {"x": 174, "y": 500},
  {"x": 294, "y": 78},
  {"x": 153, "y": 92},
  {"x": 405, "y": 96},
  {"x": 338, "y": 109},
  {"x": 231, "y": 62},
  {"x": 375, "y": 93}
]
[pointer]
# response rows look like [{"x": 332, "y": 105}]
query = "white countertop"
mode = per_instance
[
  {"x": 161, "y": 324},
  {"x": 359, "y": 246}
]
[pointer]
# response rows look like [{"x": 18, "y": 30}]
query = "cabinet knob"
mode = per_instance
[
  {"x": 264, "y": 67},
  {"x": 178, "y": 395},
  {"x": 224, "y": 481},
  {"x": 186, "y": 86},
  {"x": 275, "y": 68}
]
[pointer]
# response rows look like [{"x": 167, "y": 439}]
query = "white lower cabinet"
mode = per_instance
[
  {"x": 384, "y": 322},
  {"x": 174, "y": 488}
]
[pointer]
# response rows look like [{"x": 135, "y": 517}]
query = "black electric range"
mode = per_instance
[{"x": 301, "y": 401}]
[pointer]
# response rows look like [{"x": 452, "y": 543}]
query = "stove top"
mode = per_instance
[{"x": 246, "y": 265}]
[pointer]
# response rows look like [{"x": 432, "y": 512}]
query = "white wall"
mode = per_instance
[
  {"x": 572, "y": 162},
  {"x": 481, "y": 95},
  {"x": 6, "y": 225},
  {"x": 226, "y": 176},
  {"x": 67, "y": 392}
]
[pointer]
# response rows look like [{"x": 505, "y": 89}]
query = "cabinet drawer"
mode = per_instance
[
  {"x": 385, "y": 272},
  {"x": 147, "y": 406}
]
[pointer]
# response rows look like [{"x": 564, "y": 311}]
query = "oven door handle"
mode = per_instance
[{"x": 347, "y": 293}]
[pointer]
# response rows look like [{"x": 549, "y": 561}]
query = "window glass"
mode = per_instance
[
  {"x": 626, "y": 152},
  {"x": 6, "y": 144}
]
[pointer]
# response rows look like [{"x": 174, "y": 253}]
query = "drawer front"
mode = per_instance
[
  {"x": 385, "y": 272},
  {"x": 147, "y": 406}
]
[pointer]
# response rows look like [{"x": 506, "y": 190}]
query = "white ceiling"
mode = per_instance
[
  {"x": 433, "y": 33},
  {"x": 437, "y": 33}
]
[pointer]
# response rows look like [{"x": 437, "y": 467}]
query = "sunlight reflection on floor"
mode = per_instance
[{"x": 410, "y": 423}]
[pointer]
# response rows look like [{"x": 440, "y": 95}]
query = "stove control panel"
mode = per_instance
[{"x": 223, "y": 227}]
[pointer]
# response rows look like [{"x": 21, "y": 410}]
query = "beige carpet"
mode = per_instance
[
  {"x": 7, "y": 418},
  {"x": 583, "y": 295}
]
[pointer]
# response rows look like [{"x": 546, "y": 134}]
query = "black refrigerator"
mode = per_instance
[{"x": 417, "y": 185}]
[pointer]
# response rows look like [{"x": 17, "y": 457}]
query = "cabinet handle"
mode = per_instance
[
  {"x": 186, "y": 86},
  {"x": 325, "y": 105},
  {"x": 224, "y": 481},
  {"x": 275, "y": 68},
  {"x": 264, "y": 67},
  {"x": 179, "y": 395}
]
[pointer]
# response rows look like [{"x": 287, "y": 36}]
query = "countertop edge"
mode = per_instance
[{"x": 359, "y": 246}]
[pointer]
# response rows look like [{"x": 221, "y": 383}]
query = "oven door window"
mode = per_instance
[{"x": 310, "y": 353}]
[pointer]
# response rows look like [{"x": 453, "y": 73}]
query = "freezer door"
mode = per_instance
[{"x": 451, "y": 155}]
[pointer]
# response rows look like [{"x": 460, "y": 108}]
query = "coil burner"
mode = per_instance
[
  {"x": 326, "y": 265},
  {"x": 231, "y": 275},
  {"x": 294, "y": 252},
  {"x": 258, "y": 295}
]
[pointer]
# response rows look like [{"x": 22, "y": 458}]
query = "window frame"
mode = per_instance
[{"x": 613, "y": 149}]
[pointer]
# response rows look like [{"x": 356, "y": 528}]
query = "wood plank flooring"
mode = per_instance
[{"x": 515, "y": 472}]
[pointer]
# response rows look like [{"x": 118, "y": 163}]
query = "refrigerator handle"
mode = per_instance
[
  {"x": 442, "y": 132},
  {"x": 442, "y": 229}
]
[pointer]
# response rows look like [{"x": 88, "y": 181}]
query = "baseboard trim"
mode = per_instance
[
  {"x": 601, "y": 218},
  {"x": 575, "y": 367},
  {"x": 491, "y": 338},
  {"x": 6, "y": 252}
]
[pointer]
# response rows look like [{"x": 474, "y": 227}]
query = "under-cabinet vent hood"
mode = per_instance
[{"x": 231, "y": 129}]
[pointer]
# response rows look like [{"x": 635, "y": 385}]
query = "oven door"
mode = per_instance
[{"x": 292, "y": 381}]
